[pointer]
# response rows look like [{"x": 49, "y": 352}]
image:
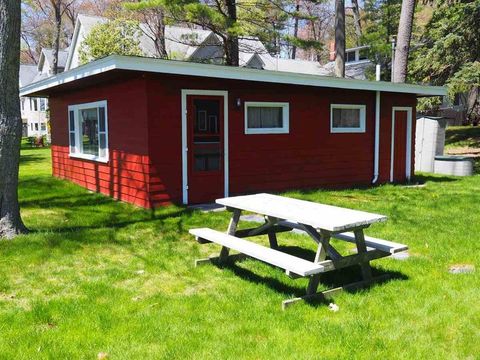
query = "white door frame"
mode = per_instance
[
  {"x": 185, "y": 93},
  {"x": 408, "y": 164}
]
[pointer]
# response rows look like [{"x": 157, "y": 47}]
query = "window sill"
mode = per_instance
[
  {"x": 266, "y": 131},
  {"x": 347, "y": 131},
  {"x": 89, "y": 157}
]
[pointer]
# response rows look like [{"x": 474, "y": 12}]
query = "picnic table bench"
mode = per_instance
[{"x": 320, "y": 222}]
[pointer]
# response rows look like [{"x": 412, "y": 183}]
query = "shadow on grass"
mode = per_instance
[
  {"x": 114, "y": 224},
  {"x": 456, "y": 135},
  {"x": 76, "y": 204},
  {"x": 31, "y": 158},
  {"x": 329, "y": 280},
  {"x": 424, "y": 178}
]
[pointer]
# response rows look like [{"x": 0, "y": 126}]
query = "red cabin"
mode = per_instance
[{"x": 151, "y": 132}]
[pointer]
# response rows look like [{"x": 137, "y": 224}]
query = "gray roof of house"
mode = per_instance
[
  {"x": 27, "y": 74},
  {"x": 62, "y": 57}
]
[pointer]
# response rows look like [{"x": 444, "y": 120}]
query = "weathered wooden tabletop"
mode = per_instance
[{"x": 326, "y": 217}]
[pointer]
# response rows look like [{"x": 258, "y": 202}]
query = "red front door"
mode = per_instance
[
  {"x": 400, "y": 146},
  {"x": 205, "y": 149}
]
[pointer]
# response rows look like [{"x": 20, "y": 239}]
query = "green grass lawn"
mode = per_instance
[{"x": 95, "y": 275}]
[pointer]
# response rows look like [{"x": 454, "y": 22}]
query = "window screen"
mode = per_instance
[
  {"x": 265, "y": 117},
  {"x": 346, "y": 118}
]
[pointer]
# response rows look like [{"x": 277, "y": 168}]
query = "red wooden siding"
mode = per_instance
[
  {"x": 145, "y": 138},
  {"x": 388, "y": 101},
  {"x": 126, "y": 176},
  {"x": 308, "y": 157}
]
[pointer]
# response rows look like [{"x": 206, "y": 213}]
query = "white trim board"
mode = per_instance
[
  {"x": 118, "y": 62},
  {"x": 188, "y": 92},
  {"x": 408, "y": 160}
]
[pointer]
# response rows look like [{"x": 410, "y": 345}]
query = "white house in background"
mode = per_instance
[
  {"x": 191, "y": 44},
  {"x": 34, "y": 110}
]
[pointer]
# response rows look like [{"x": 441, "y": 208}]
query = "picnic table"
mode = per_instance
[{"x": 320, "y": 222}]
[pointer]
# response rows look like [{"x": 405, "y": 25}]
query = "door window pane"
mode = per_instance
[{"x": 207, "y": 159}]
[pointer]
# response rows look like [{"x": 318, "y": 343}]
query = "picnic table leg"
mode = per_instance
[
  {"x": 272, "y": 235},
  {"x": 362, "y": 248},
  {"x": 232, "y": 227},
  {"x": 320, "y": 255}
]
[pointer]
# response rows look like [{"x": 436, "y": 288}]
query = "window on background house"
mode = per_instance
[
  {"x": 347, "y": 118},
  {"x": 22, "y": 103},
  {"x": 33, "y": 104},
  {"x": 43, "y": 126},
  {"x": 36, "y": 126},
  {"x": 31, "y": 126},
  {"x": 266, "y": 118},
  {"x": 43, "y": 104},
  {"x": 88, "y": 130},
  {"x": 350, "y": 56}
]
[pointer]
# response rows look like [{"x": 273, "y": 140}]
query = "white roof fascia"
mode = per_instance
[
  {"x": 73, "y": 44},
  {"x": 224, "y": 72},
  {"x": 361, "y": 47}
]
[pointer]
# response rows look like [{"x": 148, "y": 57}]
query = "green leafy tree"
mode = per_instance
[
  {"x": 381, "y": 24},
  {"x": 116, "y": 37},
  {"x": 451, "y": 52}
]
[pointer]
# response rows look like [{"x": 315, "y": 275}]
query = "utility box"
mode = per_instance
[{"x": 429, "y": 142}]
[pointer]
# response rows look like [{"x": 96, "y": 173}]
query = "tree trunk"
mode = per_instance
[
  {"x": 56, "y": 4},
  {"x": 160, "y": 46},
  {"x": 356, "y": 20},
  {"x": 10, "y": 119},
  {"x": 231, "y": 42},
  {"x": 403, "y": 41},
  {"x": 295, "y": 30},
  {"x": 340, "y": 38}
]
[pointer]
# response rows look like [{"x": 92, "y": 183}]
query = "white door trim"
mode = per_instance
[
  {"x": 185, "y": 93},
  {"x": 408, "y": 164}
]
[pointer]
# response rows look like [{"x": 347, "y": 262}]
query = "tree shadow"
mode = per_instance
[
  {"x": 423, "y": 178},
  {"x": 113, "y": 223},
  {"x": 75, "y": 203},
  {"x": 471, "y": 134},
  {"x": 30, "y": 158}
]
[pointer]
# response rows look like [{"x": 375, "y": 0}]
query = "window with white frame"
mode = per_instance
[
  {"x": 266, "y": 118},
  {"x": 88, "y": 131},
  {"x": 43, "y": 104},
  {"x": 33, "y": 104},
  {"x": 346, "y": 118}
]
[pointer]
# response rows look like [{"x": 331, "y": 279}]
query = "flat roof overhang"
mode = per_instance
[{"x": 114, "y": 63}]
